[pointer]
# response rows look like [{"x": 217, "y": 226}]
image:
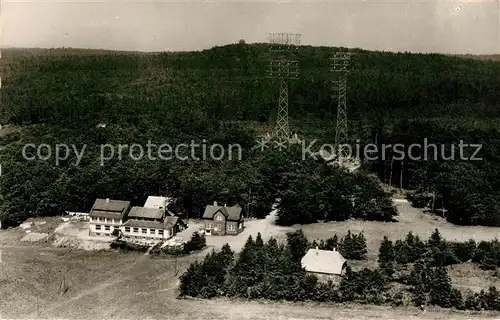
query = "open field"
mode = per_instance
[
  {"x": 108, "y": 284},
  {"x": 409, "y": 219}
]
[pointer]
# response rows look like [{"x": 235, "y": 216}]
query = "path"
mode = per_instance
[{"x": 112, "y": 281}]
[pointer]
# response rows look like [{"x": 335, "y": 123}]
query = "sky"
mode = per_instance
[{"x": 471, "y": 26}]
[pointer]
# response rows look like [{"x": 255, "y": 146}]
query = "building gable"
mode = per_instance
[
  {"x": 219, "y": 216},
  {"x": 230, "y": 213}
]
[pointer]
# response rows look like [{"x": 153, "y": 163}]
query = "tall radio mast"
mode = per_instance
[{"x": 283, "y": 67}]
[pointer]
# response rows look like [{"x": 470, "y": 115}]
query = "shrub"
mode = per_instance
[
  {"x": 197, "y": 242},
  {"x": 353, "y": 246}
]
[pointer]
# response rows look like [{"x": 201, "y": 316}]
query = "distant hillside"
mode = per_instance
[
  {"x": 30, "y": 52},
  {"x": 484, "y": 57},
  {"x": 380, "y": 82}
]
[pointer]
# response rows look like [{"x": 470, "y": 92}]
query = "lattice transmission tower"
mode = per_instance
[
  {"x": 283, "y": 66},
  {"x": 341, "y": 62}
]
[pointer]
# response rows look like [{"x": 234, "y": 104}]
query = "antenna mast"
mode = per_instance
[
  {"x": 283, "y": 67},
  {"x": 341, "y": 62}
]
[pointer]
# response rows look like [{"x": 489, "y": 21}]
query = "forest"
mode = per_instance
[
  {"x": 410, "y": 272},
  {"x": 221, "y": 95}
]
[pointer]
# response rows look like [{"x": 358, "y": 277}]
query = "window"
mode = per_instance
[
  {"x": 112, "y": 220},
  {"x": 230, "y": 227},
  {"x": 127, "y": 229},
  {"x": 136, "y": 230},
  {"x": 106, "y": 228},
  {"x": 219, "y": 217},
  {"x": 98, "y": 227},
  {"x": 209, "y": 226},
  {"x": 144, "y": 230},
  {"x": 152, "y": 231},
  {"x": 160, "y": 232}
]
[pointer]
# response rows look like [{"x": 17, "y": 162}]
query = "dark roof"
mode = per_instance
[
  {"x": 141, "y": 212},
  {"x": 166, "y": 224},
  {"x": 110, "y": 209},
  {"x": 106, "y": 214},
  {"x": 231, "y": 213}
]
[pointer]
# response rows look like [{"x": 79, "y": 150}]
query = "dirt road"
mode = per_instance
[{"x": 266, "y": 227}]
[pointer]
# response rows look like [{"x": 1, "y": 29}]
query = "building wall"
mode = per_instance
[
  {"x": 322, "y": 277},
  {"x": 146, "y": 233},
  {"x": 233, "y": 227},
  {"x": 223, "y": 227},
  {"x": 98, "y": 220},
  {"x": 216, "y": 226},
  {"x": 219, "y": 223},
  {"x": 102, "y": 228}
]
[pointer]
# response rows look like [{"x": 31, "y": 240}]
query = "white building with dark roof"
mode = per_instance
[
  {"x": 325, "y": 264},
  {"x": 151, "y": 224},
  {"x": 135, "y": 223},
  {"x": 107, "y": 215}
]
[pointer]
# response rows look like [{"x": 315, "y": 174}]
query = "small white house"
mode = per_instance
[
  {"x": 325, "y": 264},
  {"x": 157, "y": 202}
]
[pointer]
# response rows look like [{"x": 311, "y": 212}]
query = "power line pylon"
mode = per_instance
[
  {"x": 283, "y": 67},
  {"x": 341, "y": 62}
]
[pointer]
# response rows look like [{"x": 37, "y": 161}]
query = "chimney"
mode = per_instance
[
  {"x": 215, "y": 203},
  {"x": 107, "y": 200}
]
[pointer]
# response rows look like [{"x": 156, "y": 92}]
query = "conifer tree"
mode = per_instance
[
  {"x": 435, "y": 240},
  {"x": 274, "y": 253},
  {"x": 419, "y": 247},
  {"x": 493, "y": 298},
  {"x": 191, "y": 281},
  {"x": 400, "y": 252},
  {"x": 348, "y": 286},
  {"x": 470, "y": 302},
  {"x": 260, "y": 258},
  {"x": 457, "y": 299},
  {"x": 259, "y": 243},
  {"x": 227, "y": 255},
  {"x": 243, "y": 274},
  {"x": 322, "y": 244},
  {"x": 386, "y": 257},
  {"x": 386, "y": 251},
  {"x": 353, "y": 246},
  {"x": 315, "y": 244},
  {"x": 441, "y": 290},
  {"x": 419, "y": 295},
  {"x": 297, "y": 244},
  {"x": 332, "y": 243},
  {"x": 361, "y": 249}
]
